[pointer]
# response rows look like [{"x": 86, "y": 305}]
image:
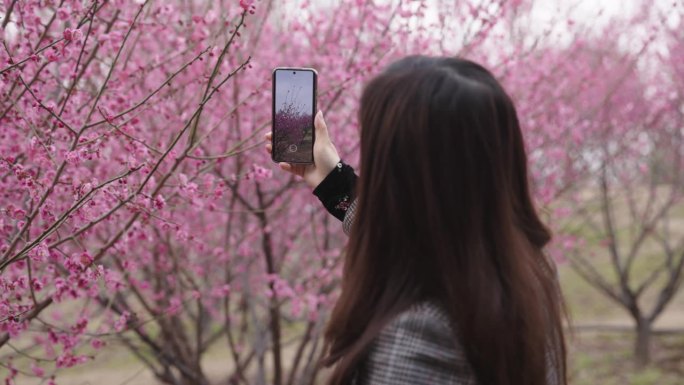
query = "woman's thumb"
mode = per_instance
[{"x": 321, "y": 127}]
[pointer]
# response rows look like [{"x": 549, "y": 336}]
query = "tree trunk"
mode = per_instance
[{"x": 642, "y": 346}]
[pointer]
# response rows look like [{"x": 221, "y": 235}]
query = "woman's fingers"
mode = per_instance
[
  {"x": 269, "y": 146},
  {"x": 297, "y": 169},
  {"x": 283, "y": 165}
]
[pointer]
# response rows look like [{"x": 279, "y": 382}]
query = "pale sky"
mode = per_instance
[{"x": 294, "y": 88}]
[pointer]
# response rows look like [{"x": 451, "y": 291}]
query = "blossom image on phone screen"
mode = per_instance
[{"x": 293, "y": 115}]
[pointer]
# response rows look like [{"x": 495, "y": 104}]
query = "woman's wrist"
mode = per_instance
[
  {"x": 322, "y": 170},
  {"x": 336, "y": 190}
]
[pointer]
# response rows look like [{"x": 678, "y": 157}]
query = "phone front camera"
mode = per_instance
[{"x": 294, "y": 72}]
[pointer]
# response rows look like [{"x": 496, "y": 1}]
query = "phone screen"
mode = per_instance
[{"x": 294, "y": 106}]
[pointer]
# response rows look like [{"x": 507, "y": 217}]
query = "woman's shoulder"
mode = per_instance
[{"x": 416, "y": 346}]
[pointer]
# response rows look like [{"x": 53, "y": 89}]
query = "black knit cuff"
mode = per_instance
[{"x": 336, "y": 191}]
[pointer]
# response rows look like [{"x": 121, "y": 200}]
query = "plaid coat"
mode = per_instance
[{"x": 417, "y": 347}]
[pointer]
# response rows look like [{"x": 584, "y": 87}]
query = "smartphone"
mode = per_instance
[{"x": 294, "y": 110}]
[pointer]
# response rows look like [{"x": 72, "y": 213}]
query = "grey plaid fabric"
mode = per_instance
[
  {"x": 417, "y": 347},
  {"x": 349, "y": 218}
]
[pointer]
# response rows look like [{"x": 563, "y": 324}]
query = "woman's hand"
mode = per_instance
[{"x": 324, "y": 152}]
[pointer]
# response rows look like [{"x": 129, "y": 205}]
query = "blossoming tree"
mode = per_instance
[{"x": 138, "y": 206}]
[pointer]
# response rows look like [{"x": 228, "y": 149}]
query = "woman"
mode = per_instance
[{"x": 445, "y": 280}]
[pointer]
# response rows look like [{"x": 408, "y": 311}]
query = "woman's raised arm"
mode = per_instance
[{"x": 333, "y": 181}]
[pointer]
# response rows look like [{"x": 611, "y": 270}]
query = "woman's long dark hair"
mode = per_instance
[{"x": 444, "y": 212}]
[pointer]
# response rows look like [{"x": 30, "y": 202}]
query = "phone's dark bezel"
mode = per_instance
[{"x": 273, "y": 112}]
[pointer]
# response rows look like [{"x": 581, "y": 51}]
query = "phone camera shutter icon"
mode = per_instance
[{"x": 292, "y": 148}]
